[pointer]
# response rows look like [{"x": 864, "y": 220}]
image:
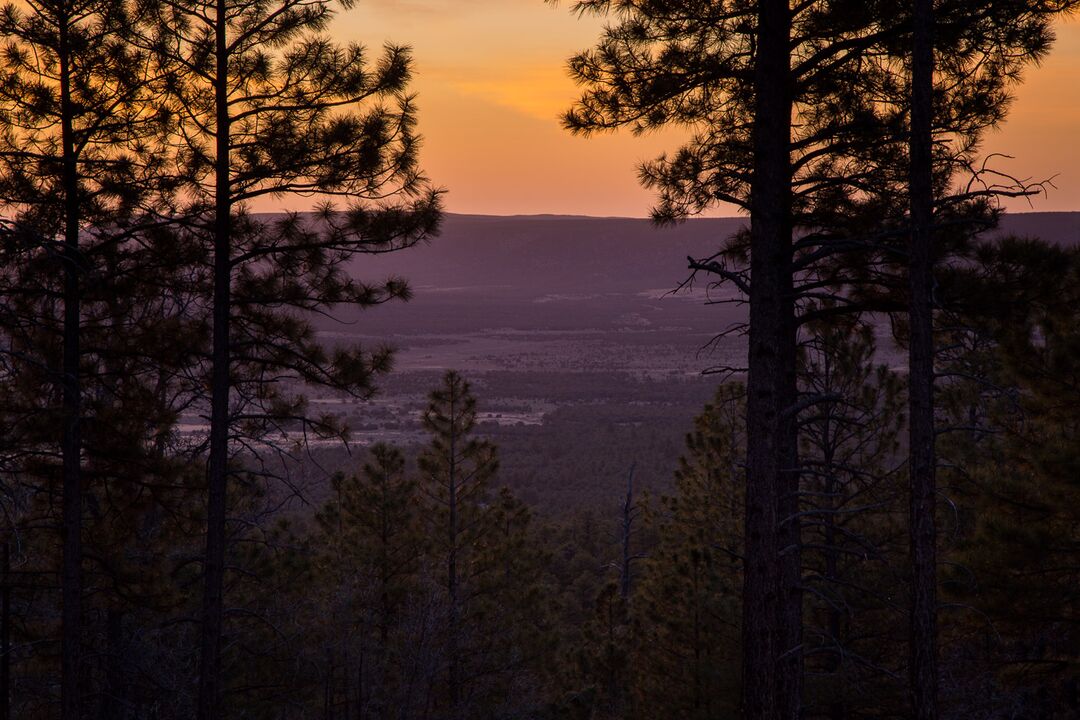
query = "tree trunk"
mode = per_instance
[
  {"x": 922, "y": 461},
  {"x": 771, "y": 364},
  {"x": 71, "y": 443},
  {"x": 217, "y": 477}
]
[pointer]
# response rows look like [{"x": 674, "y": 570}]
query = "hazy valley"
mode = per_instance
[{"x": 585, "y": 356}]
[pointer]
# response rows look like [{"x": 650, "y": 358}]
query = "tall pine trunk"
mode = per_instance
[
  {"x": 209, "y": 700},
  {"x": 922, "y": 460},
  {"x": 71, "y": 442},
  {"x": 771, "y": 370}
]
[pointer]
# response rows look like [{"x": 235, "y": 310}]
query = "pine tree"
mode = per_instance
[
  {"x": 600, "y": 662},
  {"x": 74, "y": 168},
  {"x": 1011, "y": 455},
  {"x": 686, "y": 612},
  {"x": 456, "y": 471},
  {"x": 369, "y": 552},
  {"x": 922, "y": 463},
  {"x": 485, "y": 563},
  {"x": 138, "y": 485},
  {"x": 799, "y": 116},
  {"x": 849, "y": 451},
  {"x": 940, "y": 79},
  {"x": 518, "y": 641},
  {"x": 268, "y": 106}
]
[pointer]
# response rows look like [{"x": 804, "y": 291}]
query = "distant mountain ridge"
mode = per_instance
[
  {"x": 543, "y": 255},
  {"x": 540, "y": 255}
]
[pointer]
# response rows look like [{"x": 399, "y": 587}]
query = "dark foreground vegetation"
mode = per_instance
[{"x": 841, "y": 539}]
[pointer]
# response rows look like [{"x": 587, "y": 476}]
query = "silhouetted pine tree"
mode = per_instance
[
  {"x": 686, "y": 610},
  {"x": 1011, "y": 463},
  {"x": 600, "y": 662},
  {"x": 456, "y": 471},
  {"x": 484, "y": 564},
  {"x": 75, "y": 168},
  {"x": 800, "y": 119},
  {"x": 850, "y": 452},
  {"x": 922, "y": 461},
  {"x": 369, "y": 547},
  {"x": 268, "y": 106}
]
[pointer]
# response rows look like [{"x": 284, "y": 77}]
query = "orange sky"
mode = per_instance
[{"x": 491, "y": 81}]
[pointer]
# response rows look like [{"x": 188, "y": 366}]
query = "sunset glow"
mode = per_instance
[{"x": 491, "y": 79}]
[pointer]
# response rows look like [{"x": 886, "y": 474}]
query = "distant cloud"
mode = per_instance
[
  {"x": 434, "y": 8},
  {"x": 540, "y": 92}
]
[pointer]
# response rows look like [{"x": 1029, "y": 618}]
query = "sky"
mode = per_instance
[{"x": 491, "y": 82}]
